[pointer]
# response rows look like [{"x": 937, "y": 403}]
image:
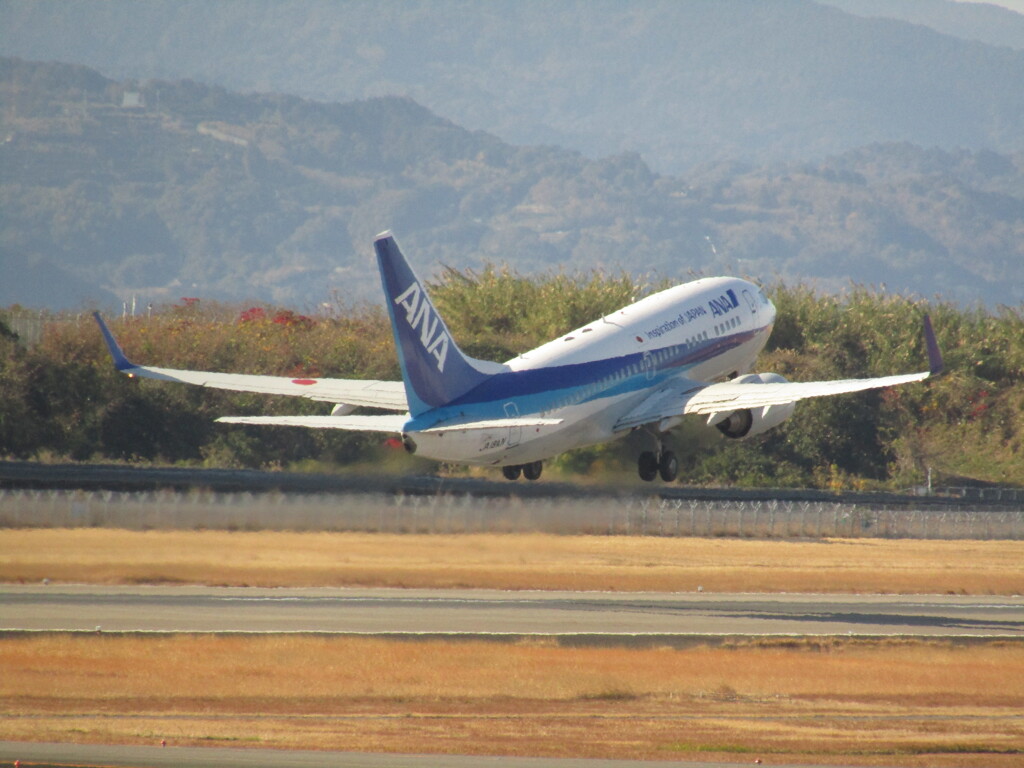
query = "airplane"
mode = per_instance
[{"x": 685, "y": 350}]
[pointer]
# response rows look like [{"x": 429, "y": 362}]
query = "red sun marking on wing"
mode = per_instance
[{"x": 304, "y": 382}]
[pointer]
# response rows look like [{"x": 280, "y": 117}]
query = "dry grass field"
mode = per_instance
[
  {"x": 512, "y": 561},
  {"x": 836, "y": 701},
  {"x": 840, "y": 701}
]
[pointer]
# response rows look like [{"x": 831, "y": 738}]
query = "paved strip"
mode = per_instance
[
  {"x": 216, "y": 757},
  {"x": 496, "y": 613}
]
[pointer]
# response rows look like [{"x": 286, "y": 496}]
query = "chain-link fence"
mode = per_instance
[
  {"x": 27, "y": 324},
  {"x": 987, "y": 495},
  {"x": 441, "y": 513}
]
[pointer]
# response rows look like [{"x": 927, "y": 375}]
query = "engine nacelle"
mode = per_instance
[{"x": 748, "y": 422}]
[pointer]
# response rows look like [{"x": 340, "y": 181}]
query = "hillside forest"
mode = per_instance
[
  {"x": 681, "y": 82},
  {"x": 121, "y": 191},
  {"x": 61, "y": 399}
]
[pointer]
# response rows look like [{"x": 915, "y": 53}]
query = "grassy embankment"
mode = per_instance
[
  {"x": 497, "y": 561},
  {"x": 828, "y": 701}
]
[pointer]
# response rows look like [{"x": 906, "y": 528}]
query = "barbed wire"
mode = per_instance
[{"x": 441, "y": 513}]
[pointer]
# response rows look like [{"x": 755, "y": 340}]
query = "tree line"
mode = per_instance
[{"x": 62, "y": 400}]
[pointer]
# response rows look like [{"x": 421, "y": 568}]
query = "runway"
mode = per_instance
[
  {"x": 80, "y": 755},
  {"x": 569, "y": 617},
  {"x": 594, "y": 617}
]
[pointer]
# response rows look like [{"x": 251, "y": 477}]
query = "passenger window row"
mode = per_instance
[{"x": 727, "y": 325}]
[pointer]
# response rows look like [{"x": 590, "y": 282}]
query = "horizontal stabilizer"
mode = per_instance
[
  {"x": 390, "y": 423},
  {"x": 381, "y": 423},
  {"x": 495, "y": 424}
]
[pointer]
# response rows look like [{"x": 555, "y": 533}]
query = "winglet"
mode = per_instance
[
  {"x": 121, "y": 362},
  {"x": 935, "y": 363}
]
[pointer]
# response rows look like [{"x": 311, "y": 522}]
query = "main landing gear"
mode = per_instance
[
  {"x": 663, "y": 463},
  {"x": 530, "y": 471}
]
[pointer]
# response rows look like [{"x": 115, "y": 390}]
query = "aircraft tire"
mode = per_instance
[
  {"x": 532, "y": 470},
  {"x": 512, "y": 471},
  {"x": 648, "y": 466},
  {"x": 668, "y": 466}
]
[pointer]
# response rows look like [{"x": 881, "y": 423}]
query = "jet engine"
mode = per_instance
[{"x": 748, "y": 422}]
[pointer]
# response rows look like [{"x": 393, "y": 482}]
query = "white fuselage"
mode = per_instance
[{"x": 707, "y": 330}]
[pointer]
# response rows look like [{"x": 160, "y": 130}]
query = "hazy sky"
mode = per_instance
[{"x": 1013, "y": 5}]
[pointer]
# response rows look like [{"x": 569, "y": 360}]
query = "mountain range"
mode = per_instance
[
  {"x": 128, "y": 191},
  {"x": 681, "y": 82}
]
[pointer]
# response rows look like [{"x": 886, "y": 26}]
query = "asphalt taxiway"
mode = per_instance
[
  {"x": 569, "y": 617},
  {"x": 597, "y": 616},
  {"x": 83, "y": 755}
]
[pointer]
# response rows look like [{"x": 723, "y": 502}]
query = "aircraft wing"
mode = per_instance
[
  {"x": 683, "y": 396},
  {"x": 728, "y": 396},
  {"x": 387, "y": 395}
]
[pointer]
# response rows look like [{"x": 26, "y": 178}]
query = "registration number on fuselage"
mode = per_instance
[{"x": 493, "y": 443}]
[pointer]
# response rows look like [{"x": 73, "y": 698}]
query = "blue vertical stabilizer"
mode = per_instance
[{"x": 434, "y": 369}]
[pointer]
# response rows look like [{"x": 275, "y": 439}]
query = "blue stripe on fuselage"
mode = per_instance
[{"x": 549, "y": 388}]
